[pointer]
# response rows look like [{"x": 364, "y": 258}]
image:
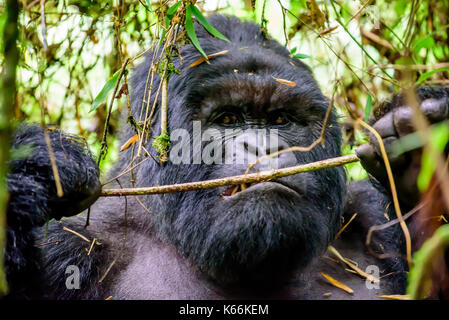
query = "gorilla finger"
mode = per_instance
[
  {"x": 372, "y": 151},
  {"x": 371, "y": 163},
  {"x": 403, "y": 122},
  {"x": 368, "y": 158},
  {"x": 366, "y": 152},
  {"x": 385, "y": 126},
  {"x": 435, "y": 110}
]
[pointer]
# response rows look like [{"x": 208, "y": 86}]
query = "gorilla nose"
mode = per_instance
[
  {"x": 272, "y": 158},
  {"x": 261, "y": 149}
]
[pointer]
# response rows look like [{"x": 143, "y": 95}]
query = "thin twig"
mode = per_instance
[
  {"x": 76, "y": 233},
  {"x": 103, "y": 145},
  {"x": 106, "y": 125},
  {"x": 125, "y": 172},
  {"x": 44, "y": 26},
  {"x": 356, "y": 269},
  {"x": 234, "y": 180},
  {"x": 345, "y": 226},
  {"x": 51, "y": 154},
  {"x": 385, "y": 226},
  {"x": 397, "y": 208}
]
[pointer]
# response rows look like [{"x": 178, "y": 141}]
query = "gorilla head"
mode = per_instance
[{"x": 266, "y": 230}]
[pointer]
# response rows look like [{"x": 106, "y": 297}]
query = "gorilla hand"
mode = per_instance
[
  {"x": 32, "y": 184},
  {"x": 396, "y": 122}
]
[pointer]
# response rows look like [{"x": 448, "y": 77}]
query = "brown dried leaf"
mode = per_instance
[
  {"x": 129, "y": 143},
  {"x": 337, "y": 284},
  {"x": 316, "y": 14},
  {"x": 286, "y": 82},
  {"x": 327, "y": 31},
  {"x": 352, "y": 265},
  {"x": 396, "y": 297},
  {"x": 123, "y": 90},
  {"x": 202, "y": 59}
]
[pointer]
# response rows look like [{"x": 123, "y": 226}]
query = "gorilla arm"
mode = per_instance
[{"x": 33, "y": 199}]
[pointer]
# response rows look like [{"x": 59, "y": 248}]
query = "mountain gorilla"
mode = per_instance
[{"x": 265, "y": 241}]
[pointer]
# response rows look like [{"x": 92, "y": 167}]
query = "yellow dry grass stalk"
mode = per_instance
[
  {"x": 356, "y": 269},
  {"x": 337, "y": 283},
  {"x": 394, "y": 195},
  {"x": 345, "y": 226},
  {"x": 395, "y": 297},
  {"x": 203, "y": 59}
]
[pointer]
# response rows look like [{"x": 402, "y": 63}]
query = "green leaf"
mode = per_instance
[
  {"x": 439, "y": 136},
  {"x": 369, "y": 104},
  {"x": 301, "y": 56},
  {"x": 400, "y": 7},
  {"x": 197, "y": 13},
  {"x": 303, "y": 4},
  {"x": 191, "y": 31},
  {"x": 149, "y": 5},
  {"x": 293, "y": 51},
  {"x": 427, "y": 75},
  {"x": 426, "y": 42},
  {"x": 171, "y": 13},
  {"x": 420, "y": 275},
  {"x": 405, "y": 144},
  {"x": 104, "y": 92},
  {"x": 169, "y": 17}
]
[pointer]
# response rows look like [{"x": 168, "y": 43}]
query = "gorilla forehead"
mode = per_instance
[
  {"x": 252, "y": 76},
  {"x": 246, "y": 73},
  {"x": 257, "y": 92}
]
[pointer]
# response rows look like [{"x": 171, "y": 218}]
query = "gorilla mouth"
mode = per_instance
[
  {"x": 232, "y": 190},
  {"x": 248, "y": 187}
]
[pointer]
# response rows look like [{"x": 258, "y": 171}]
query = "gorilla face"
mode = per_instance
[{"x": 256, "y": 232}]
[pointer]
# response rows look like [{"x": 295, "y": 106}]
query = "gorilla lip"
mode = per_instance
[{"x": 234, "y": 190}]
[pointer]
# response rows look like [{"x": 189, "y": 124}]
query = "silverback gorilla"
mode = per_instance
[{"x": 266, "y": 241}]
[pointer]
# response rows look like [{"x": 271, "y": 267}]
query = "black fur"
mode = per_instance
[
  {"x": 259, "y": 238},
  {"x": 427, "y": 92},
  {"x": 255, "y": 237},
  {"x": 33, "y": 198}
]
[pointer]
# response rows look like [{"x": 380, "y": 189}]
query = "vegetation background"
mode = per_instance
[
  {"x": 355, "y": 48},
  {"x": 359, "y": 51}
]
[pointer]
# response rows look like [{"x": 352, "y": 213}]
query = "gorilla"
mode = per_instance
[{"x": 266, "y": 240}]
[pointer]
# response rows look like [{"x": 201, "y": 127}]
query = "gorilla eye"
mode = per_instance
[
  {"x": 279, "y": 118},
  {"x": 227, "y": 119}
]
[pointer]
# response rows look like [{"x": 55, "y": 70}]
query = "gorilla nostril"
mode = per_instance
[{"x": 270, "y": 150}]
